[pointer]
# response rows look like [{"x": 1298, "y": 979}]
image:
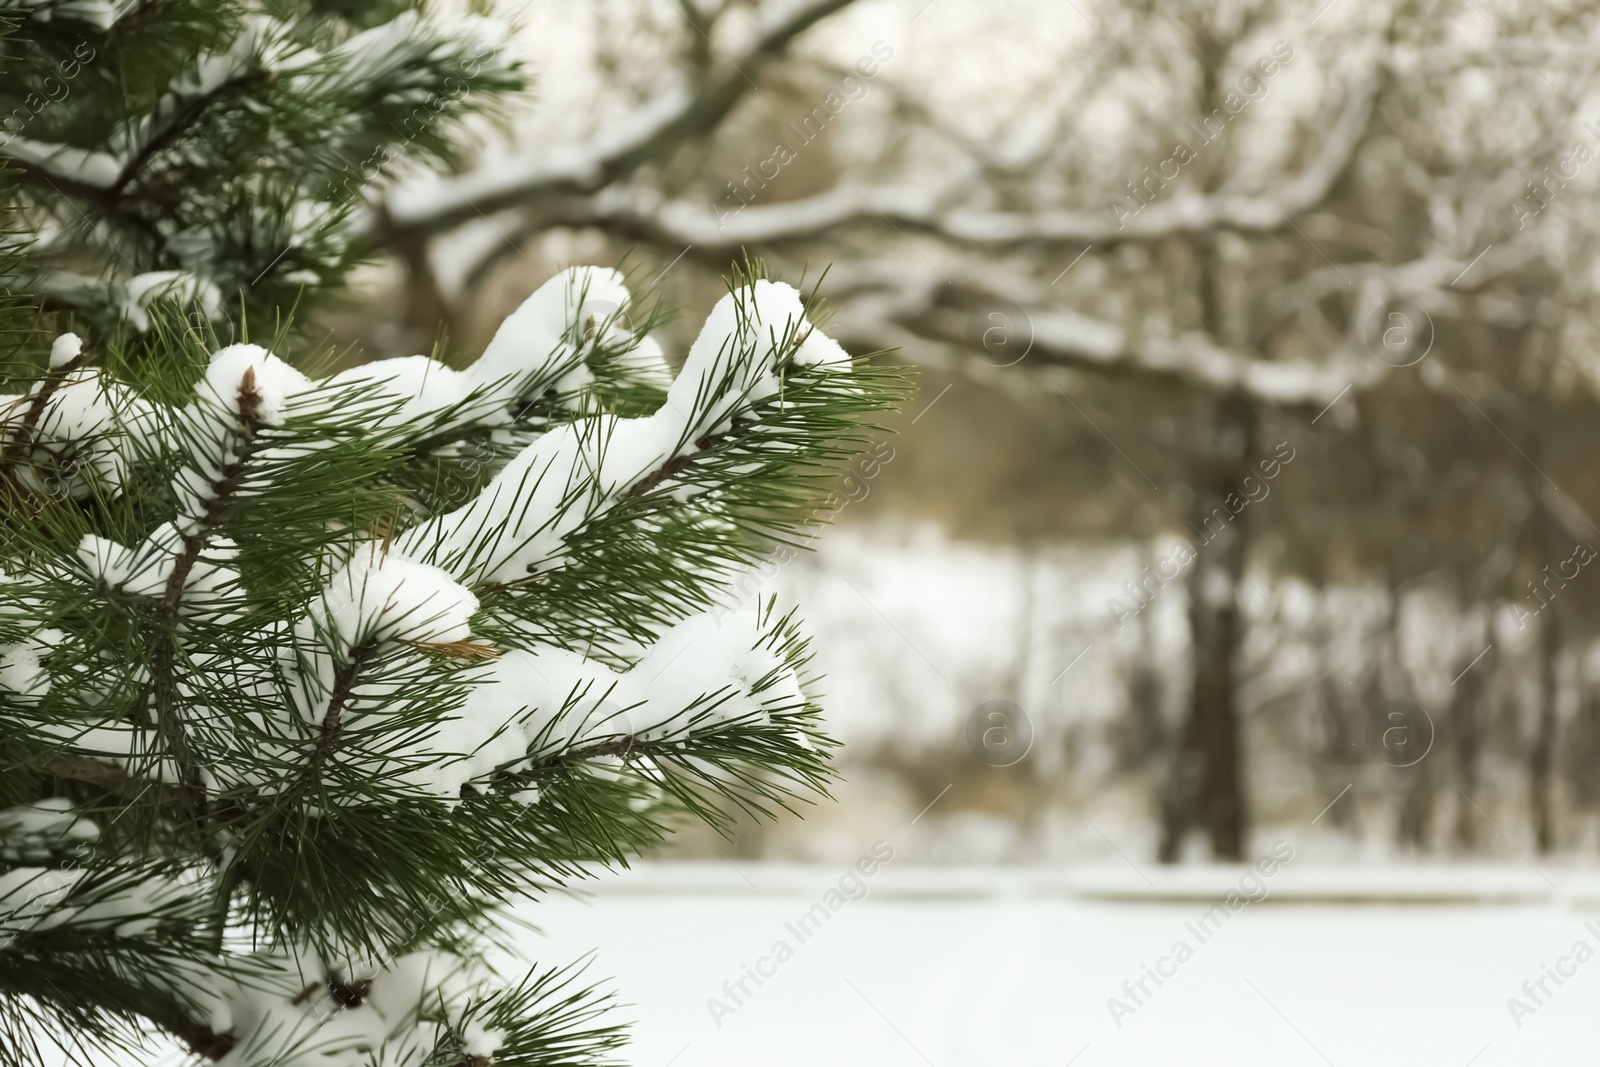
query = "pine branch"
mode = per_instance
[
  {"x": 22, "y": 436},
  {"x": 188, "y": 114},
  {"x": 168, "y": 701},
  {"x": 101, "y": 773},
  {"x": 223, "y": 488},
  {"x": 368, "y": 759},
  {"x": 341, "y": 693}
]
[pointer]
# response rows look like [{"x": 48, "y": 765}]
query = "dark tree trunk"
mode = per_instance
[
  {"x": 1542, "y": 757},
  {"x": 1416, "y": 806},
  {"x": 1205, "y": 788},
  {"x": 1466, "y": 729},
  {"x": 1141, "y": 737},
  {"x": 1336, "y": 748},
  {"x": 1390, "y": 681}
]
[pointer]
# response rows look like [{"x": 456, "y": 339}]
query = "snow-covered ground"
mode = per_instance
[{"x": 1351, "y": 967}]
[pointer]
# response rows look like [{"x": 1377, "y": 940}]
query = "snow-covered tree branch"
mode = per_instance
[
  {"x": 689, "y": 109},
  {"x": 304, "y": 676}
]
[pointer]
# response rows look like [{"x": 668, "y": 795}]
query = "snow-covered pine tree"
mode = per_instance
[
  {"x": 303, "y": 677},
  {"x": 218, "y": 152}
]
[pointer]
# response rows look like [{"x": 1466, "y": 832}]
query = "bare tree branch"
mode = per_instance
[
  {"x": 885, "y": 303},
  {"x": 643, "y": 214},
  {"x": 435, "y": 204}
]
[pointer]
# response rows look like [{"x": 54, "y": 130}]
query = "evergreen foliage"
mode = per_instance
[{"x": 303, "y": 678}]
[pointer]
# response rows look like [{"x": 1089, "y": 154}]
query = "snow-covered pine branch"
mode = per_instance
[
  {"x": 134, "y": 932},
  {"x": 284, "y": 648},
  {"x": 72, "y": 432},
  {"x": 520, "y": 523},
  {"x": 304, "y": 675},
  {"x": 214, "y": 152}
]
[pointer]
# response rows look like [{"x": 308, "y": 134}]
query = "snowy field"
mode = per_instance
[{"x": 961, "y": 969}]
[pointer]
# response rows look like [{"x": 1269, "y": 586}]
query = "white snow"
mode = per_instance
[
  {"x": 643, "y": 361},
  {"x": 64, "y": 350},
  {"x": 378, "y": 54},
  {"x": 383, "y": 596},
  {"x": 211, "y": 586},
  {"x": 99, "y": 169},
  {"x": 377, "y": 597},
  {"x": 543, "y": 344},
  {"x": 545, "y": 332},
  {"x": 129, "y": 910},
  {"x": 531, "y": 687},
  {"x": 970, "y": 967},
  {"x": 31, "y": 833},
  {"x": 976, "y": 967},
  {"x": 733, "y": 362},
  {"x": 35, "y": 898},
  {"x": 477, "y": 1040},
  {"x": 375, "y": 53},
  {"x": 142, "y": 290},
  {"x": 272, "y": 383},
  {"x": 422, "y": 388},
  {"x": 86, "y": 433},
  {"x": 101, "y": 14},
  {"x": 140, "y": 571},
  {"x": 276, "y": 1003},
  {"x": 240, "y": 378},
  {"x": 428, "y": 194},
  {"x": 28, "y": 895},
  {"x": 280, "y": 1009},
  {"x": 712, "y": 665},
  {"x": 21, "y": 672},
  {"x": 699, "y": 674},
  {"x": 520, "y": 521}
]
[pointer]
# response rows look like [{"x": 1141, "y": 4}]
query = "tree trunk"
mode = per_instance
[
  {"x": 1416, "y": 806},
  {"x": 1466, "y": 729},
  {"x": 1140, "y": 737},
  {"x": 1390, "y": 680},
  {"x": 1205, "y": 788},
  {"x": 1542, "y": 756}
]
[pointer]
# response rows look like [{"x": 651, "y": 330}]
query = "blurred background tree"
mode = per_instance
[{"x": 1148, "y": 248}]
